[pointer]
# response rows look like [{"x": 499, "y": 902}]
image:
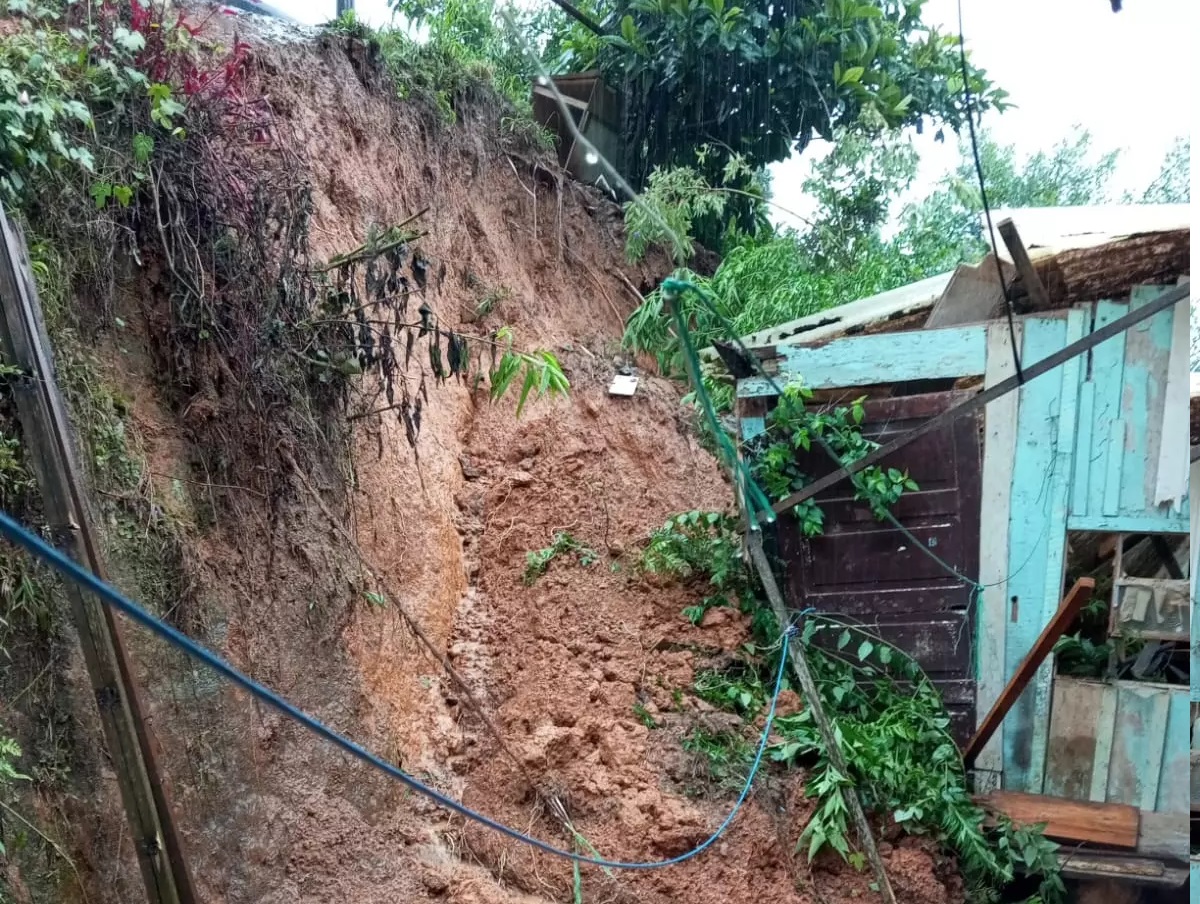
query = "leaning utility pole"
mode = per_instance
[{"x": 48, "y": 438}]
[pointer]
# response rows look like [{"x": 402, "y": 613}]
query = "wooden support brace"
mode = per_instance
[
  {"x": 1067, "y": 612},
  {"x": 812, "y": 700},
  {"x": 1033, "y": 284},
  {"x": 47, "y": 432}
]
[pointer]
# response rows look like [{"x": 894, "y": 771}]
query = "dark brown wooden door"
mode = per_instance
[{"x": 866, "y": 569}]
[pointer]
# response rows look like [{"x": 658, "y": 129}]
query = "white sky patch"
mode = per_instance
[{"x": 1065, "y": 64}]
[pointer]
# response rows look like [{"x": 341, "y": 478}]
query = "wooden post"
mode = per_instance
[
  {"x": 1033, "y": 285},
  {"x": 812, "y": 701},
  {"x": 47, "y": 435}
]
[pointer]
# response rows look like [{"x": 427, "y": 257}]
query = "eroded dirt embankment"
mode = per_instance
[{"x": 270, "y": 814}]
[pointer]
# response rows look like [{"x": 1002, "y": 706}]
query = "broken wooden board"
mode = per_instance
[
  {"x": 1082, "y": 822},
  {"x": 973, "y": 296},
  {"x": 1139, "y": 870}
]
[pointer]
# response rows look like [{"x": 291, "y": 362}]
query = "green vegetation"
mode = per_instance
[
  {"x": 563, "y": 544},
  {"x": 1173, "y": 184},
  {"x": 539, "y": 372},
  {"x": 822, "y": 63},
  {"x": 766, "y": 278},
  {"x": 892, "y": 726},
  {"x": 469, "y": 48},
  {"x": 794, "y": 426}
]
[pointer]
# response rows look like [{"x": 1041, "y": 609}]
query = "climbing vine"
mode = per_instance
[{"x": 796, "y": 426}]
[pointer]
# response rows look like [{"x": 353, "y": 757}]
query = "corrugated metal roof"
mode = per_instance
[
  {"x": 893, "y": 303},
  {"x": 1046, "y": 231}
]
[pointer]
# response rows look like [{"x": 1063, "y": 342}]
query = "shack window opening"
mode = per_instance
[{"x": 1137, "y": 625}]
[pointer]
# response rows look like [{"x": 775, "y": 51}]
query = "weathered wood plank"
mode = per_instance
[
  {"x": 1165, "y": 835},
  {"x": 1142, "y": 870},
  {"x": 1106, "y": 727},
  {"x": 1129, "y": 524},
  {"x": 1032, "y": 537},
  {"x": 1073, "y": 739},
  {"x": 886, "y": 358},
  {"x": 998, "y": 453},
  {"x": 1107, "y": 824},
  {"x": 1175, "y": 782},
  {"x": 1031, "y": 281},
  {"x": 1138, "y": 741},
  {"x": 1108, "y": 368},
  {"x": 1147, "y": 353},
  {"x": 1056, "y": 562},
  {"x": 1171, "y": 484},
  {"x": 1084, "y": 449},
  {"x": 971, "y": 297},
  {"x": 1113, "y": 459}
]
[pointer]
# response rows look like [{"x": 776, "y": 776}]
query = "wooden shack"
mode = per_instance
[{"x": 1096, "y": 446}]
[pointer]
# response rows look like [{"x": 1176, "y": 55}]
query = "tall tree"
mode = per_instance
[
  {"x": 1172, "y": 185},
  {"x": 945, "y": 229},
  {"x": 763, "y": 78}
]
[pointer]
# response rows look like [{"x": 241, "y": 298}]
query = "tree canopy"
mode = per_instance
[
  {"x": 763, "y": 78},
  {"x": 757, "y": 81}
]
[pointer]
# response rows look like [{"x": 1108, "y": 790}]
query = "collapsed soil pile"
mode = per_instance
[{"x": 268, "y": 813}]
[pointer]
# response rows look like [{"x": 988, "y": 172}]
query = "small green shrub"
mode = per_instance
[
  {"x": 540, "y": 372},
  {"x": 563, "y": 544}
]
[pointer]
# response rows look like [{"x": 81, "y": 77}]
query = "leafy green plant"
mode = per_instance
[
  {"x": 705, "y": 548},
  {"x": 537, "y": 561},
  {"x": 539, "y": 371},
  {"x": 821, "y": 63},
  {"x": 891, "y": 723},
  {"x": 10, "y": 752},
  {"x": 794, "y": 426},
  {"x": 470, "y": 43}
]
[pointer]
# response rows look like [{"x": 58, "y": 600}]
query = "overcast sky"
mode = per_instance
[{"x": 1128, "y": 77}]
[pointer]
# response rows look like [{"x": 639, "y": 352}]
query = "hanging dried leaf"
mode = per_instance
[
  {"x": 400, "y": 297},
  {"x": 464, "y": 356},
  {"x": 420, "y": 268},
  {"x": 395, "y": 257},
  {"x": 387, "y": 364},
  {"x": 408, "y": 346},
  {"x": 453, "y": 353},
  {"x": 372, "y": 282},
  {"x": 422, "y": 390},
  {"x": 366, "y": 339}
]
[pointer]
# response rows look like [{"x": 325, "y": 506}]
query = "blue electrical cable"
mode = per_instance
[{"x": 39, "y": 549}]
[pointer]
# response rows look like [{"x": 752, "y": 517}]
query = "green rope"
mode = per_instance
[{"x": 758, "y": 506}]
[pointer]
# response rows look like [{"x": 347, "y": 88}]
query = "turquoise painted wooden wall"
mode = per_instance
[
  {"x": 1079, "y": 450},
  {"x": 1088, "y": 441}
]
